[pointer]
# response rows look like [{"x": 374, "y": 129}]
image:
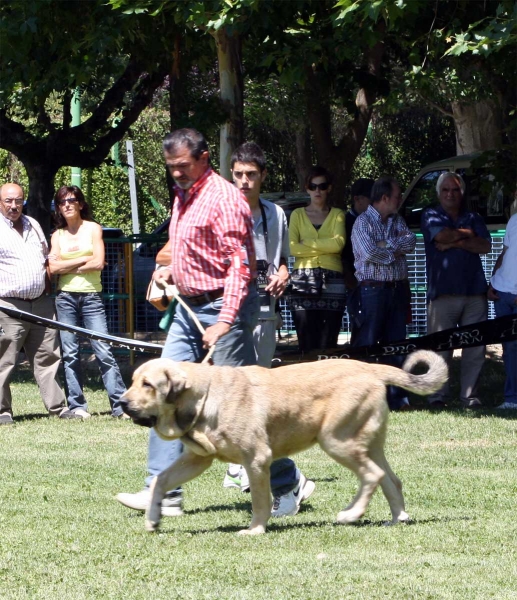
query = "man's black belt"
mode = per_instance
[
  {"x": 204, "y": 298},
  {"x": 11, "y": 298},
  {"x": 382, "y": 284}
]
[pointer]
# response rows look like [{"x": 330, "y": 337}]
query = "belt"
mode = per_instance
[
  {"x": 204, "y": 298},
  {"x": 11, "y": 298},
  {"x": 381, "y": 284}
]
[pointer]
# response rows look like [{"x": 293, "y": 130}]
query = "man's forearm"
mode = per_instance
[
  {"x": 476, "y": 245},
  {"x": 451, "y": 236}
]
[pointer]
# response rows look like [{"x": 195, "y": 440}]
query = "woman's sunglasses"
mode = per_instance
[
  {"x": 318, "y": 186},
  {"x": 69, "y": 200}
]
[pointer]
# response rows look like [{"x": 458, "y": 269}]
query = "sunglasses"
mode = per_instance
[
  {"x": 69, "y": 200},
  {"x": 318, "y": 186}
]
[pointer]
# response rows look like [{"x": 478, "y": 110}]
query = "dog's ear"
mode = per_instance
[{"x": 178, "y": 383}]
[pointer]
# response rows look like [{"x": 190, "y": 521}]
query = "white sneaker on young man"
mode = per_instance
[
  {"x": 171, "y": 505},
  {"x": 288, "y": 505},
  {"x": 236, "y": 477},
  {"x": 82, "y": 413}
]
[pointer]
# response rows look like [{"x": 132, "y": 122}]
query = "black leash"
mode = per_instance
[{"x": 112, "y": 340}]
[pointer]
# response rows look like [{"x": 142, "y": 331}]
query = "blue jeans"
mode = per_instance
[
  {"x": 503, "y": 307},
  {"x": 184, "y": 344},
  {"x": 382, "y": 318},
  {"x": 88, "y": 310}
]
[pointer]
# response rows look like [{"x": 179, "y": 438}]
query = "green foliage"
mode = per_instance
[
  {"x": 491, "y": 34},
  {"x": 273, "y": 114},
  {"x": 12, "y": 169},
  {"x": 401, "y": 144}
]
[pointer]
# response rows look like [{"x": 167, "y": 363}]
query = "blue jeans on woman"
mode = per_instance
[
  {"x": 87, "y": 309},
  {"x": 184, "y": 344},
  {"x": 503, "y": 307}
]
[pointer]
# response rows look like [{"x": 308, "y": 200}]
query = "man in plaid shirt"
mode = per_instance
[
  {"x": 213, "y": 267},
  {"x": 381, "y": 240}
]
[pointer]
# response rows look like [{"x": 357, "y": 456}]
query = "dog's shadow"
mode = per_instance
[{"x": 274, "y": 526}]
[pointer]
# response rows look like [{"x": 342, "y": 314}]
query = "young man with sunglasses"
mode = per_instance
[
  {"x": 271, "y": 241},
  {"x": 23, "y": 256}
]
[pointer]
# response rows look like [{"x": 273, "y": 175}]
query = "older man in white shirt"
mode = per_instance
[{"x": 23, "y": 255}]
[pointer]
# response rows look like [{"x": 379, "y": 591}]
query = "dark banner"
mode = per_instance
[{"x": 495, "y": 331}]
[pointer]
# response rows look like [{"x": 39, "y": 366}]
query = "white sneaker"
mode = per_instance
[
  {"x": 237, "y": 477},
  {"x": 289, "y": 504},
  {"x": 171, "y": 505},
  {"x": 82, "y": 413},
  {"x": 507, "y": 406}
]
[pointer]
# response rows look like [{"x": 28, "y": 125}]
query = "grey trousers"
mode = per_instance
[
  {"x": 446, "y": 312},
  {"x": 41, "y": 346},
  {"x": 264, "y": 340}
]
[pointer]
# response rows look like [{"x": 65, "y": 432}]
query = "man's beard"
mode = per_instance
[{"x": 184, "y": 185}]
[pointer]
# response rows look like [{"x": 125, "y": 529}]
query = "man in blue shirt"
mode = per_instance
[{"x": 456, "y": 285}]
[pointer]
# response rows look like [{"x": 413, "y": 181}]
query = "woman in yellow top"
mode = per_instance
[
  {"x": 77, "y": 256},
  {"x": 317, "y": 237}
]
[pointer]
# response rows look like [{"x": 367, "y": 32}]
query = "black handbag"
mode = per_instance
[{"x": 308, "y": 282}]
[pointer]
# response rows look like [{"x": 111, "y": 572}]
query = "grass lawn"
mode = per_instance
[{"x": 63, "y": 536}]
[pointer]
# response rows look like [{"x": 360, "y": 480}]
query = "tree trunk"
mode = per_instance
[
  {"x": 303, "y": 156},
  {"x": 41, "y": 191},
  {"x": 478, "y": 125},
  {"x": 340, "y": 158},
  {"x": 231, "y": 90}
]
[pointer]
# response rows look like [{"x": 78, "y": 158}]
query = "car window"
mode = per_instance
[
  {"x": 484, "y": 194},
  {"x": 422, "y": 195}
]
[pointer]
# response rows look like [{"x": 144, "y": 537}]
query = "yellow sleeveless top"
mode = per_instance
[{"x": 78, "y": 282}]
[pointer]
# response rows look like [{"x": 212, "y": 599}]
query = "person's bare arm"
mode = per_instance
[
  {"x": 57, "y": 266},
  {"x": 164, "y": 255},
  {"x": 278, "y": 281},
  {"x": 450, "y": 236},
  {"x": 476, "y": 245},
  {"x": 95, "y": 262},
  {"x": 492, "y": 294}
]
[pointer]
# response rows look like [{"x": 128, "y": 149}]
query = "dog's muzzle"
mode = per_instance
[{"x": 137, "y": 417}]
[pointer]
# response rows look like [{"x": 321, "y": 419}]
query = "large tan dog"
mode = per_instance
[{"x": 252, "y": 416}]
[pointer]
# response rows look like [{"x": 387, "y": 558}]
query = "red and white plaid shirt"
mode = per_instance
[{"x": 211, "y": 237}]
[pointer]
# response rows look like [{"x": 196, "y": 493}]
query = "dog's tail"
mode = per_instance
[{"x": 427, "y": 383}]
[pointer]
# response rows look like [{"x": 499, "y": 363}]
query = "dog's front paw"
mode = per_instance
[
  {"x": 253, "y": 531},
  {"x": 152, "y": 526}
]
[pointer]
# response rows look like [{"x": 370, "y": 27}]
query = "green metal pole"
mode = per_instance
[{"x": 76, "y": 120}]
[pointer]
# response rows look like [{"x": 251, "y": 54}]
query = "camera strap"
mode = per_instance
[{"x": 264, "y": 227}]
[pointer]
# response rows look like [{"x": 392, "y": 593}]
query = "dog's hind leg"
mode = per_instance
[
  {"x": 187, "y": 467},
  {"x": 354, "y": 457},
  {"x": 391, "y": 486}
]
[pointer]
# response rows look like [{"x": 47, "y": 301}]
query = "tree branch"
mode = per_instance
[{"x": 435, "y": 105}]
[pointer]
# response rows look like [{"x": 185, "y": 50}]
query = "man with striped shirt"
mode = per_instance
[
  {"x": 381, "y": 240},
  {"x": 23, "y": 254},
  {"x": 212, "y": 265}
]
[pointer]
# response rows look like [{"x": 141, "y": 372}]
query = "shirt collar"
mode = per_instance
[
  {"x": 373, "y": 212},
  {"x": 26, "y": 223}
]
